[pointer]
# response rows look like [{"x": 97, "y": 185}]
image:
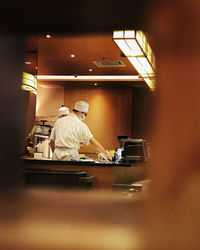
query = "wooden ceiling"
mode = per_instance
[{"x": 52, "y": 56}]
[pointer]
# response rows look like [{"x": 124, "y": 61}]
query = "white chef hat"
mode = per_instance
[
  {"x": 63, "y": 111},
  {"x": 81, "y": 106}
]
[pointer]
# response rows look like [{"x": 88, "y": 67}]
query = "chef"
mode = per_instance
[
  {"x": 70, "y": 132},
  {"x": 63, "y": 111}
]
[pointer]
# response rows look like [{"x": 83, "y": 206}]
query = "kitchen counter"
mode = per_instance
[
  {"x": 83, "y": 162},
  {"x": 107, "y": 174}
]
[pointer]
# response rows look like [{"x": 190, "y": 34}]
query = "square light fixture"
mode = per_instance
[{"x": 136, "y": 48}]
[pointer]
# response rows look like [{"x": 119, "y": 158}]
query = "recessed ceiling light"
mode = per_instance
[
  {"x": 27, "y": 62},
  {"x": 72, "y": 55},
  {"x": 48, "y": 36}
]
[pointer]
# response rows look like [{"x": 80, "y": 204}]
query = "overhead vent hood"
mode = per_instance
[{"x": 105, "y": 63}]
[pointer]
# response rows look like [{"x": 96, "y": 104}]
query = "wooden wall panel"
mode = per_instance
[
  {"x": 29, "y": 101},
  {"x": 110, "y": 112},
  {"x": 49, "y": 100},
  {"x": 143, "y": 109},
  {"x": 29, "y": 109}
]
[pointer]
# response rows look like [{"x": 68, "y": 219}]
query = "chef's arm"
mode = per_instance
[
  {"x": 52, "y": 145},
  {"x": 100, "y": 148}
]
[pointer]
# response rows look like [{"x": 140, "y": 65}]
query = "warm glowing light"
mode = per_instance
[
  {"x": 150, "y": 83},
  {"x": 89, "y": 78},
  {"x": 27, "y": 62},
  {"x": 137, "y": 65},
  {"x": 72, "y": 55},
  {"x": 29, "y": 83},
  {"x": 118, "y": 34},
  {"x": 48, "y": 36},
  {"x": 124, "y": 47},
  {"x": 129, "y": 33},
  {"x": 136, "y": 48}
]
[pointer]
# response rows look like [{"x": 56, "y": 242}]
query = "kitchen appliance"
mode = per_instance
[
  {"x": 41, "y": 139},
  {"x": 132, "y": 150}
]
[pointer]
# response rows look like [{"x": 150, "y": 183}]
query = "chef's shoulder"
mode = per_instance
[
  {"x": 84, "y": 126},
  {"x": 60, "y": 121}
]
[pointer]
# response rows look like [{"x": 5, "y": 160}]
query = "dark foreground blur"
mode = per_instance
[{"x": 169, "y": 218}]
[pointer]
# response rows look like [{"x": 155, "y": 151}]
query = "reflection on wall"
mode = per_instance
[
  {"x": 110, "y": 112},
  {"x": 49, "y": 99}
]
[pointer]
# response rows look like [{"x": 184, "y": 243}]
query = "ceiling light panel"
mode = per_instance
[
  {"x": 89, "y": 78},
  {"x": 136, "y": 48}
]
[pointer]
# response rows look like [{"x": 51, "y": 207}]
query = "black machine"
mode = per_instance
[
  {"x": 134, "y": 150},
  {"x": 41, "y": 133},
  {"x": 43, "y": 129}
]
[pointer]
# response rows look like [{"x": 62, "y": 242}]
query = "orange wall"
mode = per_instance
[
  {"x": 114, "y": 110},
  {"x": 110, "y": 112},
  {"x": 49, "y": 100}
]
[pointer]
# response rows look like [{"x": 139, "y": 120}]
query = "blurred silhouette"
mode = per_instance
[{"x": 169, "y": 218}]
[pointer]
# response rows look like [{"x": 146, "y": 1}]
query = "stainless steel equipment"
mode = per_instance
[{"x": 41, "y": 138}]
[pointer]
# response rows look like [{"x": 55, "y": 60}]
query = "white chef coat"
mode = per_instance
[{"x": 67, "y": 134}]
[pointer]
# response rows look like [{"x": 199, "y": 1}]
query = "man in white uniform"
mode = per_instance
[
  {"x": 63, "y": 111},
  {"x": 69, "y": 132}
]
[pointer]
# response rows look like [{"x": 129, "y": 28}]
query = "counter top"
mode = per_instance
[
  {"x": 107, "y": 173},
  {"x": 80, "y": 162}
]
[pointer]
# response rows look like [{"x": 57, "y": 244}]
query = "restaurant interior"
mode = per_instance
[
  {"x": 74, "y": 52},
  {"x": 89, "y": 67}
]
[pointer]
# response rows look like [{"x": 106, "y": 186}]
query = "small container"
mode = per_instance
[{"x": 38, "y": 155}]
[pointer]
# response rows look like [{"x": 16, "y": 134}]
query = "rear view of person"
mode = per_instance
[
  {"x": 70, "y": 132},
  {"x": 63, "y": 111}
]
